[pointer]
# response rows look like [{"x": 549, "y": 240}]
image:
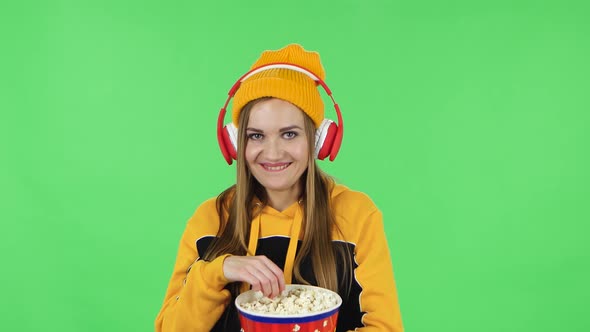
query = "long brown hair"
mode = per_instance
[{"x": 236, "y": 207}]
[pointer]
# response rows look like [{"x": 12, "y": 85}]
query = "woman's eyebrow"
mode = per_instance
[
  {"x": 290, "y": 128},
  {"x": 280, "y": 130}
]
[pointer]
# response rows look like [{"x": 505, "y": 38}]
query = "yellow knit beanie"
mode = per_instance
[{"x": 290, "y": 85}]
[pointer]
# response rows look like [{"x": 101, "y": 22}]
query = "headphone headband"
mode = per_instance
[{"x": 280, "y": 65}]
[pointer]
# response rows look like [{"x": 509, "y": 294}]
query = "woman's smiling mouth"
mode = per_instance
[{"x": 274, "y": 167}]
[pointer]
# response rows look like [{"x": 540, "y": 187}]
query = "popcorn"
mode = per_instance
[{"x": 292, "y": 302}]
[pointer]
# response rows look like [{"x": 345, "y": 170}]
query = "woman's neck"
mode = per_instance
[{"x": 281, "y": 200}]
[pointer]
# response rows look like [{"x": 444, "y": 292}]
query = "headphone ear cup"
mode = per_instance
[
  {"x": 324, "y": 138},
  {"x": 230, "y": 141}
]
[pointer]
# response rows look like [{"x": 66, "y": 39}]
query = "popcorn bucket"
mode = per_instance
[{"x": 318, "y": 321}]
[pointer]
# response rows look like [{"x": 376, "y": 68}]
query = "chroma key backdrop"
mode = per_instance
[{"x": 467, "y": 122}]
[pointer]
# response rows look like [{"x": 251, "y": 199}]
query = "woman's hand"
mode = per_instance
[{"x": 258, "y": 271}]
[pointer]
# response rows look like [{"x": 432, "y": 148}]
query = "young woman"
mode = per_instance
[{"x": 284, "y": 221}]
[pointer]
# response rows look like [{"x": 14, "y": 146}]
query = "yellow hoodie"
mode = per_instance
[{"x": 197, "y": 301}]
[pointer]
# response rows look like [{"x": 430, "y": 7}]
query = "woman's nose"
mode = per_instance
[{"x": 273, "y": 149}]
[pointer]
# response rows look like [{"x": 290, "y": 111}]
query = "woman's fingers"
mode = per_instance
[
  {"x": 258, "y": 271},
  {"x": 265, "y": 272},
  {"x": 279, "y": 277},
  {"x": 263, "y": 279},
  {"x": 271, "y": 280}
]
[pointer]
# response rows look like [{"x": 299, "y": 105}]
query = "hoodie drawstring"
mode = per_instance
[
  {"x": 293, "y": 241},
  {"x": 291, "y": 250},
  {"x": 252, "y": 244},
  {"x": 254, "y": 234}
]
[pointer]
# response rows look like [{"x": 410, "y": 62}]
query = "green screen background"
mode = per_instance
[{"x": 466, "y": 122}]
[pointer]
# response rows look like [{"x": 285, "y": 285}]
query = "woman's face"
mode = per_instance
[{"x": 276, "y": 149}]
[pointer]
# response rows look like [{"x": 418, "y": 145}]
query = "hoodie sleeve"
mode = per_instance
[
  {"x": 378, "y": 299},
  {"x": 195, "y": 298}
]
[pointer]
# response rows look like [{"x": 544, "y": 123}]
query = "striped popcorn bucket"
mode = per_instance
[{"x": 318, "y": 321}]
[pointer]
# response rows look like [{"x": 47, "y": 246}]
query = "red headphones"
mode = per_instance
[{"x": 328, "y": 136}]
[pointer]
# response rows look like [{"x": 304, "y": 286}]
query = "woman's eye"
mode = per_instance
[
  {"x": 290, "y": 134},
  {"x": 255, "y": 136}
]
